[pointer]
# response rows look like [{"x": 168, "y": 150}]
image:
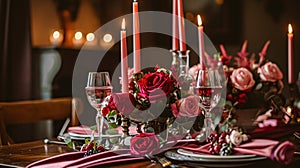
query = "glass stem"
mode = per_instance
[
  {"x": 99, "y": 122},
  {"x": 208, "y": 124}
]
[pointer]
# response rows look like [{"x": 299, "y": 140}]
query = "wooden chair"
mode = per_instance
[{"x": 32, "y": 111}]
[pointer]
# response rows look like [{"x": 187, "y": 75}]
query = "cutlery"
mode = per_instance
[{"x": 47, "y": 141}]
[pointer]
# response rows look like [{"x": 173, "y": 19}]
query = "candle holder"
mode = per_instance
[{"x": 179, "y": 68}]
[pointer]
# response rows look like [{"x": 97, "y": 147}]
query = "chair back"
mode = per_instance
[{"x": 33, "y": 111}]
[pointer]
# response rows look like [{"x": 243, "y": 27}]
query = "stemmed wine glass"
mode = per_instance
[
  {"x": 97, "y": 89},
  {"x": 208, "y": 88}
]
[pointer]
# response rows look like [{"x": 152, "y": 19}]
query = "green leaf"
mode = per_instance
[
  {"x": 112, "y": 113},
  {"x": 70, "y": 144}
]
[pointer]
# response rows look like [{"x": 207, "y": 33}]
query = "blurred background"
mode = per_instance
[{"x": 36, "y": 66}]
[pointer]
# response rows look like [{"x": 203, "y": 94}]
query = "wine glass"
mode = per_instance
[
  {"x": 97, "y": 89},
  {"x": 208, "y": 88}
]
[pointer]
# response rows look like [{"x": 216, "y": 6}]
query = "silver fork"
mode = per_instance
[{"x": 164, "y": 162}]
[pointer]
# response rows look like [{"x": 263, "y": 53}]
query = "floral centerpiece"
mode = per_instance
[
  {"x": 148, "y": 102},
  {"x": 252, "y": 83}
]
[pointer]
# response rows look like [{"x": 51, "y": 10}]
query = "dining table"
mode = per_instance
[{"x": 23, "y": 154}]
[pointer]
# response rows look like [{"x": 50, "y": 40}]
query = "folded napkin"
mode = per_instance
[
  {"x": 85, "y": 130},
  {"x": 281, "y": 152},
  {"x": 279, "y": 132},
  {"x": 76, "y": 159},
  {"x": 82, "y": 130}
]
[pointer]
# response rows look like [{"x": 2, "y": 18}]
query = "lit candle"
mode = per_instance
[
  {"x": 136, "y": 38},
  {"x": 56, "y": 38},
  {"x": 201, "y": 42},
  {"x": 290, "y": 55},
  {"x": 181, "y": 29},
  {"x": 175, "y": 27},
  {"x": 77, "y": 39},
  {"x": 124, "y": 62}
]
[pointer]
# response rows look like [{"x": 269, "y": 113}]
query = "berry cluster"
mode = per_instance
[
  {"x": 218, "y": 144},
  {"x": 91, "y": 148}
]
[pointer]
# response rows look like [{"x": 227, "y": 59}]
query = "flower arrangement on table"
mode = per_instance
[
  {"x": 253, "y": 84},
  {"x": 155, "y": 103}
]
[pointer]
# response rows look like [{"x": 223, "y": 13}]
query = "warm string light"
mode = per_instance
[{"x": 56, "y": 38}]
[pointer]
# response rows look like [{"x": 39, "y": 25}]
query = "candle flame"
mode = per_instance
[
  {"x": 134, "y": 0},
  {"x": 199, "y": 20},
  {"x": 290, "y": 29},
  {"x": 123, "y": 24}
]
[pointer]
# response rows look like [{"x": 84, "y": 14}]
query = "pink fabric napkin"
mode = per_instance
[
  {"x": 76, "y": 159},
  {"x": 279, "y": 151},
  {"x": 82, "y": 130},
  {"x": 280, "y": 132},
  {"x": 275, "y": 150},
  {"x": 85, "y": 130}
]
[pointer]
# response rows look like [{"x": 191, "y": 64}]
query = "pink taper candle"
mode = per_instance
[
  {"x": 181, "y": 28},
  {"x": 290, "y": 55},
  {"x": 175, "y": 46},
  {"x": 201, "y": 42},
  {"x": 124, "y": 61},
  {"x": 243, "y": 52},
  {"x": 136, "y": 38}
]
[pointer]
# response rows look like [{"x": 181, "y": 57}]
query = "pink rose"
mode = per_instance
[
  {"x": 284, "y": 152},
  {"x": 188, "y": 107},
  {"x": 242, "y": 79},
  {"x": 156, "y": 85},
  {"x": 123, "y": 102},
  {"x": 144, "y": 143},
  {"x": 193, "y": 71},
  {"x": 270, "y": 72}
]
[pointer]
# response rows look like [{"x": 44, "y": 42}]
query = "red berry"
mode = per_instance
[
  {"x": 100, "y": 148},
  {"x": 90, "y": 146},
  {"x": 217, "y": 148}
]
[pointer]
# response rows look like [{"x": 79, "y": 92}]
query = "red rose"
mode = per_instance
[
  {"x": 156, "y": 85},
  {"x": 123, "y": 102},
  {"x": 270, "y": 72},
  {"x": 188, "y": 107},
  {"x": 242, "y": 79},
  {"x": 144, "y": 143}
]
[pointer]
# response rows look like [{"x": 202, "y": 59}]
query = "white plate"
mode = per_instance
[
  {"x": 84, "y": 136},
  {"x": 218, "y": 157},
  {"x": 173, "y": 154}
]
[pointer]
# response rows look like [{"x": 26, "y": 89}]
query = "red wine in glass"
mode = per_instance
[{"x": 209, "y": 96}]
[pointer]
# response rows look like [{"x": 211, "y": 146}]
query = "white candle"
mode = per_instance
[
  {"x": 175, "y": 46},
  {"x": 136, "y": 38},
  {"x": 181, "y": 29},
  {"x": 56, "y": 38},
  {"x": 124, "y": 61},
  {"x": 201, "y": 42},
  {"x": 290, "y": 55}
]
